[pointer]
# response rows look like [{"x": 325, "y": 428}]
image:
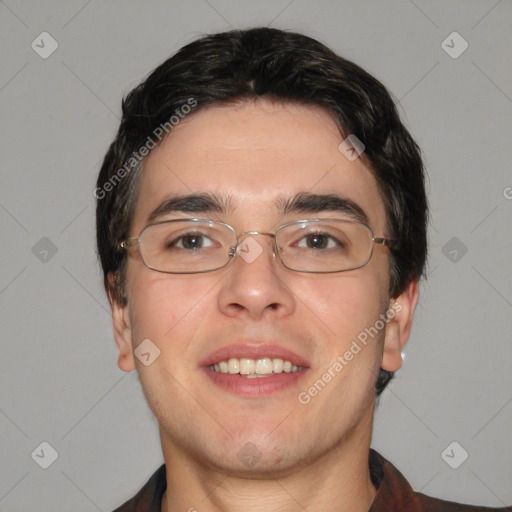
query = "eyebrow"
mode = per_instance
[
  {"x": 314, "y": 203},
  {"x": 191, "y": 203},
  {"x": 304, "y": 202}
]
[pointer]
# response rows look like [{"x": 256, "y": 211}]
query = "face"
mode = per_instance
[{"x": 253, "y": 157}]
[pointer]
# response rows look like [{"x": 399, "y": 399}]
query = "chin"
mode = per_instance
[{"x": 251, "y": 463}]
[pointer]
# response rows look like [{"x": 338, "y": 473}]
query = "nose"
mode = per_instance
[{"x": 255, "y": 286}]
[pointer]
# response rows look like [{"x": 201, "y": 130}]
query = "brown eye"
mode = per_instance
[
  {"x": 191, "y": 241},
  {"x": 319, "y": 241}
]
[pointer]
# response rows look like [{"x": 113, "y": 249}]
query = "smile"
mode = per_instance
[{"x": 254, "y": 368}]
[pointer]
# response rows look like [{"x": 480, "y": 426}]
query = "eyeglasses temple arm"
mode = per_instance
[
  {"x": 129, "y": 242},
  {"x": 383, "y": 241}
]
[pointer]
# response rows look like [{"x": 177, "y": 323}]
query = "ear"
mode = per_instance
[
  {"x": 122, "y": 329},
  {"x": 400, "y": 315}
]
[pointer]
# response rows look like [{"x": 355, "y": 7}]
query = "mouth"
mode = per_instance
[{"x": 254, "y": 370}]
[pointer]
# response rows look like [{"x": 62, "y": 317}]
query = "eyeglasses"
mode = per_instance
[{"x": 189, "y": 246}]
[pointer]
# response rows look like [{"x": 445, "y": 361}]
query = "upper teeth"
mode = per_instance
[{"x": 263, "y": 366}]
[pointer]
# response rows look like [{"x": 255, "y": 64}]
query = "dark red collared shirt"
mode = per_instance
[{"x": 394, "y": 494}]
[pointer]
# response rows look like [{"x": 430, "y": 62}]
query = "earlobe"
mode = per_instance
[
  {"x": 398, "y": 329},
  {"x": 122, "y": 329}
]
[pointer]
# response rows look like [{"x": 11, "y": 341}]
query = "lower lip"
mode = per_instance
[{"x": 254, "y": 387}]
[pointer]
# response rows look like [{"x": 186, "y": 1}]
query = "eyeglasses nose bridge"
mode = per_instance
[
  {"x": 243, "y": 233},
  {"x": 235, "y": 249}
]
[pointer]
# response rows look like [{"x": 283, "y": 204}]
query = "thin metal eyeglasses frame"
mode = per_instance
[{"x": 135, "y": 241}]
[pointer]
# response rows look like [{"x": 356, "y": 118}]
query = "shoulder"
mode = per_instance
[
  {"x": 429, "y": 504},
  {"x": 149, "y": 498},
  {"x": 395, "y": 493}
]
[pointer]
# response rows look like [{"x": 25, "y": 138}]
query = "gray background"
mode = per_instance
[{"x": 59, "y": 378}]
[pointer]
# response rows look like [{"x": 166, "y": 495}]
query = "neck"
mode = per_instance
[{"x": 337, "y": 480}]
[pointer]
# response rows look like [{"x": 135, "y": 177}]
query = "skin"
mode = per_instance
[{"x": 313, "y": 456}]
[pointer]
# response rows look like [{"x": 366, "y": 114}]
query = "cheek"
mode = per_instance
[
  {"x": 161, "y": 302},
  {"x": 347, "y": 304}
]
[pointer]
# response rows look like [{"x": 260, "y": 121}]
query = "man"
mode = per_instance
[{"x": 261, "y": 224}]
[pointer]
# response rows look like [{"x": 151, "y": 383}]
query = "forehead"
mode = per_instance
[{"x": 255, "y": 155}]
